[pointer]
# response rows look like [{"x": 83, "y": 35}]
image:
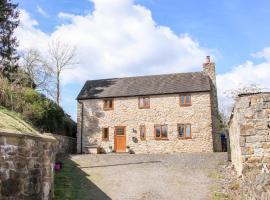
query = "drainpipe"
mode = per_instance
[{"x": 82, "y": 106}]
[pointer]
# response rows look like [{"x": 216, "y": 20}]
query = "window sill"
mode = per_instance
[
  {"x": 107, "y": 109},
  {"x": 185, "y": 105},
  {"x": 165, "y": 139},
  {"x": 184, "y": 138}
]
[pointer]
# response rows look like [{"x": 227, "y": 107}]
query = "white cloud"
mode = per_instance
[
  {"x": 29, "y": 35},
  {"x": 42, "y": 12},
  {"x": 244, "y": 75},
  {"x": 119, "y": 38}
]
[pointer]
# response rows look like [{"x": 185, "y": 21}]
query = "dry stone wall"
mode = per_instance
[
  {"x": 250, "y": 144},
  {"x": 250, "y": 131},
  {"x": 164, "y": 109}
]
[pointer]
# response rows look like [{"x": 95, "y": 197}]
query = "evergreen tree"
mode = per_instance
[{"x": 8, "y": 43}]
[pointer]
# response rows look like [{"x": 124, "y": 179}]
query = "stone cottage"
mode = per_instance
[{"x": 150, "y": 114}]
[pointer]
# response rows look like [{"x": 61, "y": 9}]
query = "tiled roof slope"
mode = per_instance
[{"x": 145, "y": 85}]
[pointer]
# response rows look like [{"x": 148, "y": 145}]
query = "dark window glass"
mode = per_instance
[
  {"x": 120, "y": 131},
  {"x": 164, "y": 132},
  {"x": 181, "y": 131},
  {"x": 157, "y": 131},
  {"x": 142, "y": 132},
  {"x": 105, "y": 133}
]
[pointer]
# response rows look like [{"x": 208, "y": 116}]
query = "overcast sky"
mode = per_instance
[{"x": 117, "y": 38}]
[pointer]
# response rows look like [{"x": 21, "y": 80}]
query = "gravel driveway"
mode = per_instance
[{"x": 149, "y": 177}]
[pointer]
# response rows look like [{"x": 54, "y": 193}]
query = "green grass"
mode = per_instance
[
  {"x": 215, "y": 175},
  {"x": 71, "y": 183},
  {"x": 13, "y": 121},
  {"x": 219, "y": 196}
]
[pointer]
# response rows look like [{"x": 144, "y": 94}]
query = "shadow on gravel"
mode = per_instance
[
  {"x": 71, "y": 183},
  {"x": 122, "y": 164}
]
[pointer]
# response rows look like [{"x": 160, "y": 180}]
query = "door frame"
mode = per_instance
[{"x": 125, "y": 138}]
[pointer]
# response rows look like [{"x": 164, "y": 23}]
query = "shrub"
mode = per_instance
[{"x": 36, "y": 108}]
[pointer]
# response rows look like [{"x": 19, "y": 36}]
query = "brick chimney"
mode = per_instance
[{"x": 210, "y": 69}]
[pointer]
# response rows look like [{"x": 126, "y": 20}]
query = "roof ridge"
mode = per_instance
[{"x": 142, "y": 76}]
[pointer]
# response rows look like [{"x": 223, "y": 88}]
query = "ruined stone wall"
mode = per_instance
[
  {"x": 164, "y": 109},
  {"x": 26, "y": 166},
  {"x": 250, "y": 131}
]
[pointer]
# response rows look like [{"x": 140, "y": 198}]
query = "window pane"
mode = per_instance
[
  {"x": 120, "y": 131},
  {"x": 106, "y": 133},
  {"x": 181, "y": 130},
  {"x": 142, "y": 131},
  {"x": 110, "y": 103},
  {"x": 157, "y": 131},
  {"x": 164, "y": 131},
  {"x": 141, "y": 102},
  {"x": 182, "y": 100},
  {"x": 146, "y": 102},
  {"x": 188, "y": 99},
  {"x": 188, "y": 131}
]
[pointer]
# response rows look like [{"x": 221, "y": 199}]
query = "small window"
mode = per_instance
[
  {"x": 161, "y": 132},
  {"x": 142, "y": 132},
  {"x": 105, "y": 134},
  {"x": 120, "y": 131},
  {"x": 144, "y": 102},
  {"x": 108, "y": 104},
  {"x": 184, "y": 131},
  {"x": 185, "y": 100}
]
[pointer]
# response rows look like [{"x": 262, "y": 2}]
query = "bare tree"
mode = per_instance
[
  {"x": 38, "y": 70},
  {"x": 61, "y": 57}
]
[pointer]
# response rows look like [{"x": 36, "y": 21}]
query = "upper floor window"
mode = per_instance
[
  {"x": 144, "y": 102},
  {"x": 108, "y": 104},
  {"x": 142, "y": 132},
  {"x": 185, "y": 100},
  {"x": 184, "y": 131},
  {"x": 105, "y": 134},
  {"x": 161, "y": 132}
]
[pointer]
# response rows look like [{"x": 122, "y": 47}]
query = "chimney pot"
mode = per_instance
[{"x": 208, "y": 60}]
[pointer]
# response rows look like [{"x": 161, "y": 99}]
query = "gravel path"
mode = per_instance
[{"x": 150, "y": 177}]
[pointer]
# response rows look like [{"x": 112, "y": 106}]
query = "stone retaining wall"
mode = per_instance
[
  {"x": 26, "y": 166},
  {"x": 66, "y": 145}
]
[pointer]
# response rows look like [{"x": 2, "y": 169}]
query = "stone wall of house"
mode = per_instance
[
  {"x": 209, "y": 69},
  {"x": 250, "y": 131},
  {"x": 164, "y": 109}
]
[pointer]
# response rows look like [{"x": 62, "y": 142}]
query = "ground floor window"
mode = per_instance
[
  {"x": 142, "y": 132},
  {"x": 105, "y": 134},
  {"x": 161, "y": 132},
  {"x": 184, "y": 131}
]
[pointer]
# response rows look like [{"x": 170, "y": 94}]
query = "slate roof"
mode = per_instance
[{"x": 145, "y": 85}]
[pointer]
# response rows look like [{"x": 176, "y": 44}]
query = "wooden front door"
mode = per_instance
[{"x": 120, "y": 139}]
